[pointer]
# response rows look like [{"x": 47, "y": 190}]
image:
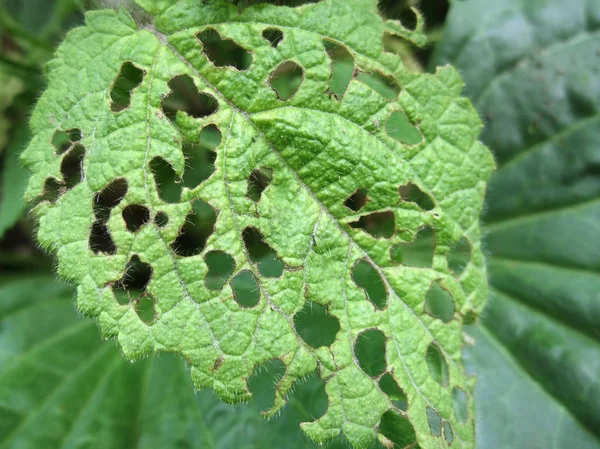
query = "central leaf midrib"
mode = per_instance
[{"x": 249, "y": 263}]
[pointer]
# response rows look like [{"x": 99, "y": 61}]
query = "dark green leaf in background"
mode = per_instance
[
  {"x": 13, "y": 179},
  {"x": 10, "y": 87},
  {"x": 27, "y": 29},
  {"x": 62, "y": 387},
  {"x": 532, "y": 68},
  {"x": 42, "y": 18}
]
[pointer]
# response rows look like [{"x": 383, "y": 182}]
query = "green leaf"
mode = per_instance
[
  {"x": 10, "y": 87},
  {"x": 13, "y": 181},
  {"x": 161, "y": 252},
  {"x": 38, "y": 20},
  {"x": 532, "y": 70},
  {"x": 62, "y": 387}
]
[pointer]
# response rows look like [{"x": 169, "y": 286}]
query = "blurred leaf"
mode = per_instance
[
  {"x": 32, "y": 15},
  {"x": 13, "y": 180},
  {"x": 533, "y": 70},
  {"x": 41, "y": 18},
  {"x": 61, "y": 386},
  {"x": 10, "y": 87},
  {"x": 26, "y": 27},
  {"x": 29, "y": 30}
]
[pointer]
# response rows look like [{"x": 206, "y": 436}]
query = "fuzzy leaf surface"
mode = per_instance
[{"x": 318, "y": 149}]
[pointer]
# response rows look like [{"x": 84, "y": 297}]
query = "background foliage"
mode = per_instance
[{"x": 532, "y": 69}]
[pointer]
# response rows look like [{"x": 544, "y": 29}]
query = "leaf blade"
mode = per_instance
[
  {"x": 300, "y": 217},
  {"x": 534, "y": 80}
]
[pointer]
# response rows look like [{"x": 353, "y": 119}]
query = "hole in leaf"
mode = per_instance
[
  {"x": 200, "y": 164},
  {"x": 242, "y": 4},
  {"x": 399, "y": 128},
  {"x": 398, "y": 430},
  {"x": 367, "y": 277},
  {"x": 370, "y": 352},
  {"x": 286, "y": 79},
  {"x": 378, "y": 224},
  {"x": 104, "y": 201},
  {"x": 123, "y": 297},
  {"x": 74, "y": 135},
  {"x": 439, "y": 303},
  {"x": 128, "y": 79},
  {"x": 136, "y": 278},
  {"x": 269, "y": 264},
  {"x": 273, "y": 35},
  {"x": 316, "y": 327},
  {"x": 245, "y": 289},
  {"x": 385, "y": 86},
  {"x": 145, "y": 309},
  {"x": 311, "y": 390},
  {"x": 51, "y": 190},
  {"x": 258, "y": 181},
  {"x": 460, "y": 404},
  {"x": 342, "y": 67},
  {"x": 470, "y": 317},
  {"x": 223, "y": 52},
  {"x": 161, "y": 219},
  {"x": 167, "y": 182},
  {"x": 448, "y": 434},
  {"x": 184, "y": 96},
  {"x": 220, "y": 267},
  {"x": 392, "y": 44},
  {"x": 135, "y": 217},
  {"x": 63, "y": 140},
  {"x": 435, "y": 422},
  {"x": 438, "y": 367},
  {"x": 200, "y": 157},
  {"x": 100, "y": 239},
  {"x": 459, "y": 256},
  {"x": 263, "y": 383},
  {"x": 408, "y": 18},
  {"x": 435, "y": 11},
  {"x": 72, "y": 166},
  {"x": 413, "y": 194},
  {"x": 419, "y": 253},
  {"x": 389, "y": 386},
  {"x": 109, "y": 197},
  {"x": 198, "y": 226},
  {"x": 357, "y": 200},
  {"x": 210, "y": 137}
]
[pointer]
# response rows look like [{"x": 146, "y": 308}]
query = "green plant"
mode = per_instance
[
  {"x": 530, "y": 70},
  {"x": 232, "y": 278}
]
